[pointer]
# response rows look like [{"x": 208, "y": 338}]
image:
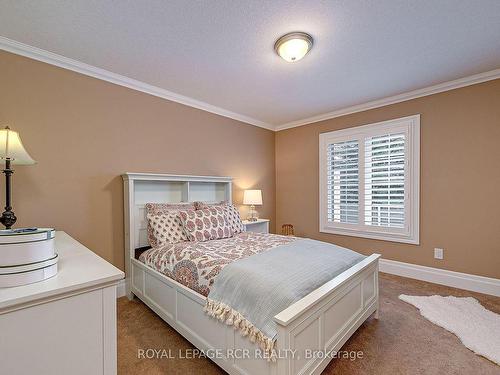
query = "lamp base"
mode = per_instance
[
  {"x": 253, "y": 214},
  {"x": 8, "y": 219}
]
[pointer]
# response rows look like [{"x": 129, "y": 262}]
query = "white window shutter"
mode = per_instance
[
  {"x": 369, "y": 180},
  {"x": 385, "y": 181},
  {"x": 343, "y": 182}
]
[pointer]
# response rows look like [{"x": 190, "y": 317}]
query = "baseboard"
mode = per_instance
[
  {"x": 454, "y": 279},
  {"x": 120, "y": 289}
]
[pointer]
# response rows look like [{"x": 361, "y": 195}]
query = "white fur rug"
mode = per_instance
[{"x": 476, "y": 327}]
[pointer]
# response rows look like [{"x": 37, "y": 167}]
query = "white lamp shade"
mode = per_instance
[
  {"x": 12, "y": 148},
  {"x": 252, "y": 197}
]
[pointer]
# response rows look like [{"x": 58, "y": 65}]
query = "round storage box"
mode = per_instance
[{"x": 27, "y": 257}]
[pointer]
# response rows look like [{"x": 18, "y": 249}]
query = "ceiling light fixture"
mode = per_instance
[{"x": 293, "y": 46}]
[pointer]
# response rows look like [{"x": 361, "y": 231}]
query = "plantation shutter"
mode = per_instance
[
  {"x": 385, "y": 181},
  {"x": 369, "y": 180},
  {"x": 343, "y": 182}
]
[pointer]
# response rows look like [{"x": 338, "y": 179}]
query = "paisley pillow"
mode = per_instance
[
  {"x": 164, "y": 223},
  {"x": 206, "y": 224},
  {"x": 231, "y": 212},
  {"x": 161, "y": 208}
]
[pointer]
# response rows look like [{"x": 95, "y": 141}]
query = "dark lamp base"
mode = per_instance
[{"x": 8, "y": 219}]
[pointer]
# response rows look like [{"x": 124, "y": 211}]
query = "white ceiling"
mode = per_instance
[{"x": 221, "y": 52}]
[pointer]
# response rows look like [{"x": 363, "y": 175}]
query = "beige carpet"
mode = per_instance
[{"x": 401, "y": 342}]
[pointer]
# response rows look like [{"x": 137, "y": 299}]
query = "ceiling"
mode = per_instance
[{"x": 221, "y": 52}]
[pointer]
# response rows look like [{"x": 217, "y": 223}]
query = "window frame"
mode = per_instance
[{"x": 410, "y": 126}]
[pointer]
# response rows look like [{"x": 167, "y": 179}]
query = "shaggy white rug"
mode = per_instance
[{"x": 476, "y": 327}]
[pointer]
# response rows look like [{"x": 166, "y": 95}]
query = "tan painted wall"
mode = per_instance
[
  {"x": 460, "y": 179},
  {"x": 85, "y": 133}
]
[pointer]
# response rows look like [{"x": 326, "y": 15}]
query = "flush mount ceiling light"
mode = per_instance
[{"x": 293, "y": 46}]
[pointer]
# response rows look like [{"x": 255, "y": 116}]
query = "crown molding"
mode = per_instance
[
  {"x": 35, "y": 53},
  {"x": 445, "y": 86}
]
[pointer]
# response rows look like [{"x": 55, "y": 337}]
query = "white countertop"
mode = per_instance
[
  {"x": 79, "y": 268},
  {"x": 246, "y": 222}
]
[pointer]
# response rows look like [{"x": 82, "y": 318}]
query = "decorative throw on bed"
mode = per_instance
[{"x": 249, "y": 292}]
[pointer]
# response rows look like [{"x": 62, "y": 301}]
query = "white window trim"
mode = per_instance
[{"x": 411, "y": 234}]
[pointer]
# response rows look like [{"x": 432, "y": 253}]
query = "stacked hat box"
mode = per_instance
[{"x": 27, "y": 256}]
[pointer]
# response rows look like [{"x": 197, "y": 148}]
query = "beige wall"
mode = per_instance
[
  {"x": 85, "y": 133},
  {"x": 459, "y": 179}
]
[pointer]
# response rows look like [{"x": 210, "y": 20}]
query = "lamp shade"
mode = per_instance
[
  {"x": 12, "y": 148},
  {"x": 252, "y": 197}
]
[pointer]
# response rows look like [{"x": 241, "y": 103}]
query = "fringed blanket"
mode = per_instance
[{"x": 248, "y": 293}]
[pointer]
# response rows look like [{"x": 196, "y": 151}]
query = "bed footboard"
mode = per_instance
[
  {"x": 317, "y": 326},
  {"x": 309, "y": 331}
]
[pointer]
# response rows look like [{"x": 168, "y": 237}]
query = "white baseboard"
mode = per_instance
[
  {"x": 120, "y": 289},
  {"x": 459, "y": 280}
]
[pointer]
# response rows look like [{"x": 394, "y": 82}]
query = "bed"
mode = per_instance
[{"x": 321, "y": 321}]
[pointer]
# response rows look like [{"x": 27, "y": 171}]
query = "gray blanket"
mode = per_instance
[{"x": 248, "y": 293}]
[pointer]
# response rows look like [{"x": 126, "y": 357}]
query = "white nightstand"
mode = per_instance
[{"x": 259, "y": 226}]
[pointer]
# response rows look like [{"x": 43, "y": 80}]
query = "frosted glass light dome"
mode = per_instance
[{"x": 293, "y": 46}]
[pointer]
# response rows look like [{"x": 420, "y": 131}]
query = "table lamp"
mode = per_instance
[
  {"x": 13, "y": 153},
  {"x": 252, "y": 198}
]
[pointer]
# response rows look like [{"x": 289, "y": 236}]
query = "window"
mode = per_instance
[{"x": 369, "y": 180}]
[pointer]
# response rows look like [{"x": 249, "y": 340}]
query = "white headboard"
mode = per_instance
[{"x": 142, "y": 188}]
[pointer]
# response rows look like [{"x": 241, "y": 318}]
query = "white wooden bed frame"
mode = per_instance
[{"x": 323, "y": 320}]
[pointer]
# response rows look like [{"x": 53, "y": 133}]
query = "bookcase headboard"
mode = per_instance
[{"x": 142, "y": 188}]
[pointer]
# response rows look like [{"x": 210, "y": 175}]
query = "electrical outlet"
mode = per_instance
[{"x": 438, "y": 253}]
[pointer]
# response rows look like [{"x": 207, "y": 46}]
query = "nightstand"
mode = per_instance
[{"x": 259, "y": 226}]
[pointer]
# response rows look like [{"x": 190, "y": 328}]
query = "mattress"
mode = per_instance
[{"x": 197, "y": 264}]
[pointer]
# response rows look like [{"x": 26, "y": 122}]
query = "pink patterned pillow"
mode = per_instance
[
  {"x": 164, "y": 223},
  {"x": 231, "y": 212},
  {"x": 165, "y": 228},
  {"x": 161, "y": 208},
  {"x": 201, "y": 205},
  {"x": 206, "y": 224}
]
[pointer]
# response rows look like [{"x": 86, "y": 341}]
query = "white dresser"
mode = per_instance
[{"x": 65, "y": 324}]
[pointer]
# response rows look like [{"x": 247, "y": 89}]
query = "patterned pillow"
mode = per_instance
[
  {"x": 231, "y": 212},
  {"x": 161, "y": 208},
  {"x": 206, "y": 224},
  {"x": 201, "y": 205},
  {"x": 164, "y": 224},
  {"x": 165, "y": 228}
]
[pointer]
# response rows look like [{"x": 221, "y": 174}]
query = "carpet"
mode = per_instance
[
  {"x": 401, "y": 342},
  {"x": 477, "y": 327}
]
